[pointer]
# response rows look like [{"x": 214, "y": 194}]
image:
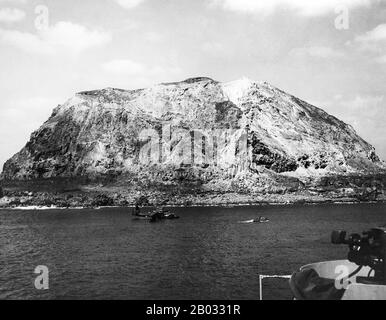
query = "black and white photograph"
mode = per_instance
[{"x": 211, "y": 151}]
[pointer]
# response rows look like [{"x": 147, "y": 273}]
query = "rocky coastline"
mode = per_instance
[
  {"x": 48, "y": 194},
  {"x": 47, "y": 201}
]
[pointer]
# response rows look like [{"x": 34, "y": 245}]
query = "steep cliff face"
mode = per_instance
[{"x": 198, "y": 129}]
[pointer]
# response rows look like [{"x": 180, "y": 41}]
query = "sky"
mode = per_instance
[{"x": 331, "y": 53}]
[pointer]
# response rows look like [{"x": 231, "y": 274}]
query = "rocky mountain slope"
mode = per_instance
[{"x": 238, "y": 137}]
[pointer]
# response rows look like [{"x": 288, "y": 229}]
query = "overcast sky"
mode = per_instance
[{"x": 305, "y": 47}]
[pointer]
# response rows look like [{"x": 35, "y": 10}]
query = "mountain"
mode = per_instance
[{"x": 241, "y": 137}]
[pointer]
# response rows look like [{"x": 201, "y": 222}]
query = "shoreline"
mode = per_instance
[
  {"x": 224, "y": 205},
  {"x": 121, "y": 193}
]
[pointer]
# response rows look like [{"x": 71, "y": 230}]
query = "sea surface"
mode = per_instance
[{"x": 207, "y": 254}]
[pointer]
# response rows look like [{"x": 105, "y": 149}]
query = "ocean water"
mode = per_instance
[{"x": 207, "y": 254}]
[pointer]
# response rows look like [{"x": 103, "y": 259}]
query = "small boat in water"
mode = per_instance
[
  {"x": 258, "y": 220},
  {"x": 171, "y": 216},
  {"x": 157, "y": 216},
  {"x": 162, "y": 214}
]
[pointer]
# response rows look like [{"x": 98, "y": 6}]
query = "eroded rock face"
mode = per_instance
[{"x": 262, "y": 129}]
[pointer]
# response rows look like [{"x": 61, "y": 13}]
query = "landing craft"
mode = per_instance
[{"x": 156, "y": 216}]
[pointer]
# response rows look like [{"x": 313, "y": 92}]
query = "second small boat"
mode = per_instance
[{"x": 258, "y": 220}]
